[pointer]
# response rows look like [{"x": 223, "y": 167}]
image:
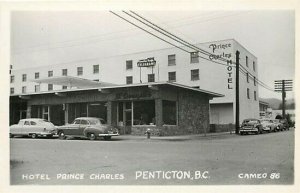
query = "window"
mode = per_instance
[
  {"x": 169, "y": 112},
  {"x": 151, "y": 77},
  {"x": 50, "y": 87},
  {"x": 195, "y": 74},
  {"x": 12, "y": 90},
  {"x": 171, "y": 60},
  {"x": 248, "y": 93},
  {"x": 77, "y": 122},
  {"x": 84, "y": 122},
  {"x": 172, "y": 76},
  {"x": 12, "y": 79},
  {"x": 128, "y": 64},
  {"x": 50, "y": 73},
  {"x": 65, "y": 72},
  {"x": 97, "y": 80},
  {"x": 32, "y": 123},
  {"x": 37, "y": 88},
  {"x": 79, "y": 71},
  {"x": 254, "y": 81},
  {"x": 255, "y": 95},
  {"x": 194, "y": 57},
  {"x": 247, "y": 77},
  {"x": 24, "y": 77},
  {"x": 247, "y": 61},
  {"x": 143, "y": 113},
  {"x": 23, "y": 89},
  {"x": 128, "y": 79},
  {"x": 253, "y": 66},
  {"x": 64, "y": 87},
  {"x": 96, "y": 69},
  {"x": 37, "y": 75},
  {"x": 26, "y": 123}
]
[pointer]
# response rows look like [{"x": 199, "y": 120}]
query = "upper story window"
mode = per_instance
[
  {"x": 247, "y": 61},
  {"x": 36, "y": 75},
  {"x": 12, "y": 79},
  {"x": 24, "y": 77},
  {"x": 50, "y": 73},
  {"x": 255, "y": 95},
  {"x": 253, "y": 66},
  {"x": 254, "y": 81},
  {"x": 194, "y": 57},
  {"x": 128, "y": 79},
  {"x": 50, "y": 87},
  {"x": 151, "y": 77},
  {"x": 12, "y": 90},
  {"x": 247, "y": 77},
  {"x": 64, "y": 87},
  {"x": 96, "y": 69},
  {"x": 37, "y": 88},
  {"x": 79, "y": 71},
  {"x": 128, "y": 64},
  {"x": 172, "y": 60},
  {"x": 248, "y": 93},
  {"x": 24, "y": 89},
  {"x": 65, "y": 72},
  {"x": 195, "y": 74},
  {"x": 172, "y": 76}
]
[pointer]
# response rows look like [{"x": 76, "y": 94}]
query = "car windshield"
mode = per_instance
[
  {"x": 96, "y": 121},
  {"x": 250, "y": 121}
]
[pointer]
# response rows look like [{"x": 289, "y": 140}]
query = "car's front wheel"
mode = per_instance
[
  {"x": 33, "y": 136},
  {"x": 61, "y": 135},
  {"x": 92, "y": 136}
]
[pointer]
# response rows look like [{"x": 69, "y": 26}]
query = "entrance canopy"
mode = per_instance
[{"x": 71, "y": 81}]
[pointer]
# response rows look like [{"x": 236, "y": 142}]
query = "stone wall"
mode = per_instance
[{"x": 193, "y": 110}]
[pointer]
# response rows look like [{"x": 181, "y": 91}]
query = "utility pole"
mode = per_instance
[
  {"x": 237, "y": 92},
  {"x": 283, "y": 86}
]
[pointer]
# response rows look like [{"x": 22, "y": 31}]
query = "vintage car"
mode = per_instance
[
  {"x": 33, "y": 127},
  {"x": 251, "y": 126},
  {"x": 268, "y": 125},
  {"x": 87, "y": 127},
  {"x": 279, "y": 126},
  {"x": 285, "y": 124}
]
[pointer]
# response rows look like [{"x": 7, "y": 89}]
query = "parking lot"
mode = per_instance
[{"x": 135, "y": 160}]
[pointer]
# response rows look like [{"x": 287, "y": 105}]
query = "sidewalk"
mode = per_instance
[{"x": 176, "y": 137}]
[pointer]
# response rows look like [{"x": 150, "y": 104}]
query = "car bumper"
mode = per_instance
[
  {"x": 107, "y": 134},
  {"x": 249, "y": 130}
]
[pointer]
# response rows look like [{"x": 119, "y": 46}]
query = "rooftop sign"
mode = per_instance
[{"x": 149, "y": 62}]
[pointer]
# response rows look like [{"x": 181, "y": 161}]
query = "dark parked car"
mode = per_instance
[
  {"x": 251, "y": 126},
  {"x": 87, "y": 127},
  {"x": 285, "y": 124}
]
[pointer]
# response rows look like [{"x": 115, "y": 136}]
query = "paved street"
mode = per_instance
[{"x": 219, "y": 159}]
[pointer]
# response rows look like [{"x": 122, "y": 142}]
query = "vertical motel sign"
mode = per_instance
[
  {"x": 283, "y": 86},
  {"x": 149, "y": 62}
]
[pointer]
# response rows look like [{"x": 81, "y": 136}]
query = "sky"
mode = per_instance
[{"x": 48, "y": 37}]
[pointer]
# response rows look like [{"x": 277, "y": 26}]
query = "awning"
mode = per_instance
[{"x": 71, "y": 81}]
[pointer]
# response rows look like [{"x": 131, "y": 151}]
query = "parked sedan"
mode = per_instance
[
  {"x": 268, "y": 125},
  {"x": 279, "y": 126},
  {"x": 251, "y": 126},
  {"x": 32, "y": 127},
  {"x": 87, "y": 127}
]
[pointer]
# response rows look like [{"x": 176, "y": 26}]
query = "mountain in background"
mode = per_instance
[{"x": 276, "y": 103}]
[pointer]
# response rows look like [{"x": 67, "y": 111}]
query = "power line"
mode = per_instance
[{"x": 259, "y": 82}]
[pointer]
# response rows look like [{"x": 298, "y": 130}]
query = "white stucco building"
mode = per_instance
[{"x": 172, "y": 64}]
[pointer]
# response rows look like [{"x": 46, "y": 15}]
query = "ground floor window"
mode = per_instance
[
  {"x": 144, "y": 112},
  {"x": 169, "y": 112},
  {"x": 136, "y": 113}
]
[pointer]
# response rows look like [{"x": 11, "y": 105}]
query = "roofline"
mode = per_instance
[
  {"x": 124, "y": 86},
  {"x": 164, "y": 83}
]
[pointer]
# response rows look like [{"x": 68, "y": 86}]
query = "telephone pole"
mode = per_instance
[
  {"x": 283, "y": 86},
  {"x": 237, "y": 92}
]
